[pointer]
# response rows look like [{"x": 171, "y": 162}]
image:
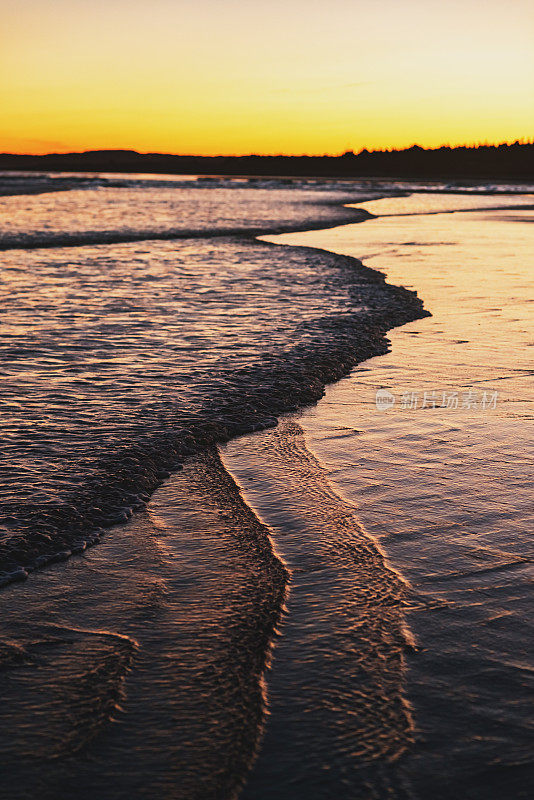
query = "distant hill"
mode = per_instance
[{"x": 506, "y": 161}]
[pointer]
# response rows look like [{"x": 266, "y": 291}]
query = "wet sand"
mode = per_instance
[
  {"x": 443, "y": 488},
  {"x": 338, "y": 717}
]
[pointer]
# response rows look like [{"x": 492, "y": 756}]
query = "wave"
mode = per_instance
[
  {"x": 121, "y": 360},
  {"x": 134, "y": 212},
  {"x": 39, "y": 241},
  {"x": 30, "y": 182},
  {"x": 246, "y": 399}
]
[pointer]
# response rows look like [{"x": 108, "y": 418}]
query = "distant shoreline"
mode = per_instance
[{"x": 511, "y": 162}]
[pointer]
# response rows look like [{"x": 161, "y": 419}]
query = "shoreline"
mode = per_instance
[
  {"x": 445, "y": 491},
  {"x": 314, "y": 537},
  {"x": 343, "y": 342},
  {"x": 504, "y": 160},
  {"x": 295, "y": 380}
]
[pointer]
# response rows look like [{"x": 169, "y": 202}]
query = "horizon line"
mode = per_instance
[{"x": 523, "y": 141}]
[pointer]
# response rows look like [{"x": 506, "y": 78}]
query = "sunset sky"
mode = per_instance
[{"x": 277, "y": 76}]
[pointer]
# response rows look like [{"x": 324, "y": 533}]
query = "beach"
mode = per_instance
[
  {"x": 441, "y": 483},
  {"x": 298, "y": 603}
]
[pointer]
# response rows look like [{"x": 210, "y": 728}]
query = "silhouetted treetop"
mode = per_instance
[{"x": 504, "y": 161}]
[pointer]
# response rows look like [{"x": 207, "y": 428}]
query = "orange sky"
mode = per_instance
[{"x": 288, "y": 76}]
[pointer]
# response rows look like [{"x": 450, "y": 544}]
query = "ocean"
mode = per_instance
[{"x": 333, "y": 601}]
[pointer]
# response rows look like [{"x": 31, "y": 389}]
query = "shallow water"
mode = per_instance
[
  {"x": 136, "y": 670},
  {"x": 101, "y": 342},
  {"x": 401, "y": 667},
  {"x": 338, "y": 718},
  {"x": 120, "y": 359},
  {"x": 442, "y": 482},
  {"x": 127, "y": 210}
]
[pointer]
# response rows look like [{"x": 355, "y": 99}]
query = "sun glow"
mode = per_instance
[{"x": 277, "y": 77}]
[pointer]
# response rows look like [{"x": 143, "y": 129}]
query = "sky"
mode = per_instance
[{"x": 284, "y": 76}]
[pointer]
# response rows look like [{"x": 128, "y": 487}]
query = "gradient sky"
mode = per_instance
[{"x": 241, "y": 76}]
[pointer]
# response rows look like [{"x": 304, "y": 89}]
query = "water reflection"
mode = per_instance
[{"x": 447, "y": 490}]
